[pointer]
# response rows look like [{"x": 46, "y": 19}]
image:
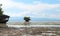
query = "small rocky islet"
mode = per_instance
[{"x": 3, "y": 18}]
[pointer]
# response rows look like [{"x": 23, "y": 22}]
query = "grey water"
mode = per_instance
[{"x": 33, "y": 24}]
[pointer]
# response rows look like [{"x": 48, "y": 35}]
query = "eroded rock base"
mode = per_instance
[{"x": 3, "y": 25}]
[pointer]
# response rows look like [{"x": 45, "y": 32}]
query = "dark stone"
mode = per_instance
[
  {"x": 26, "y": 19},
  {"x": 4, "y": 18}
]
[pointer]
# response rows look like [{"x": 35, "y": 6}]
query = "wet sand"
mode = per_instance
[{"x": 31, "y": 31}]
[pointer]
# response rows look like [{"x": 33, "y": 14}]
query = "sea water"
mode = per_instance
[{"x": 33, "y": 24}]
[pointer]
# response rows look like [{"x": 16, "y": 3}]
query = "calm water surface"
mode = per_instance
[{"x": 33, "y": 24}]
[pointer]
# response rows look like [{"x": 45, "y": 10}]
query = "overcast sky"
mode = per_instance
[{"x": 32, "y": 8}]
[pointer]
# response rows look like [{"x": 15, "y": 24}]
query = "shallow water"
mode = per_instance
[
  {"x": 33, "y": 24},
  {"x": 17, "y": 26}
]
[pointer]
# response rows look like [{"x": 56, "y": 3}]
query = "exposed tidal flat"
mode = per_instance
[
  {"x": 33, "y": 29},
  {"x": 30, "y": 31}
]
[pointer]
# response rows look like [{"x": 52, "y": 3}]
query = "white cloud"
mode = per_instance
[{"x": 34, "y": 9}]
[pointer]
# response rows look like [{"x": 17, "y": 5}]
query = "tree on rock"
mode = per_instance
[{"x": 3, "y": 18}]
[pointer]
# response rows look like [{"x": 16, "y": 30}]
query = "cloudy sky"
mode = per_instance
[{"x": 32, "y": 8}]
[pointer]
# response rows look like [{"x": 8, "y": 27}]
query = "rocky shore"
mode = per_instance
[{"x": 31, "y": 31}]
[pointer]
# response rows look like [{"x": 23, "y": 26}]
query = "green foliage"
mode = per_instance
[
  {"x": 26, "y": 18},
  {"x": 1, "y": 12}
]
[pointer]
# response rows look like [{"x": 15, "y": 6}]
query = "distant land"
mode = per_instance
[{"x": 33, "y": 19}]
